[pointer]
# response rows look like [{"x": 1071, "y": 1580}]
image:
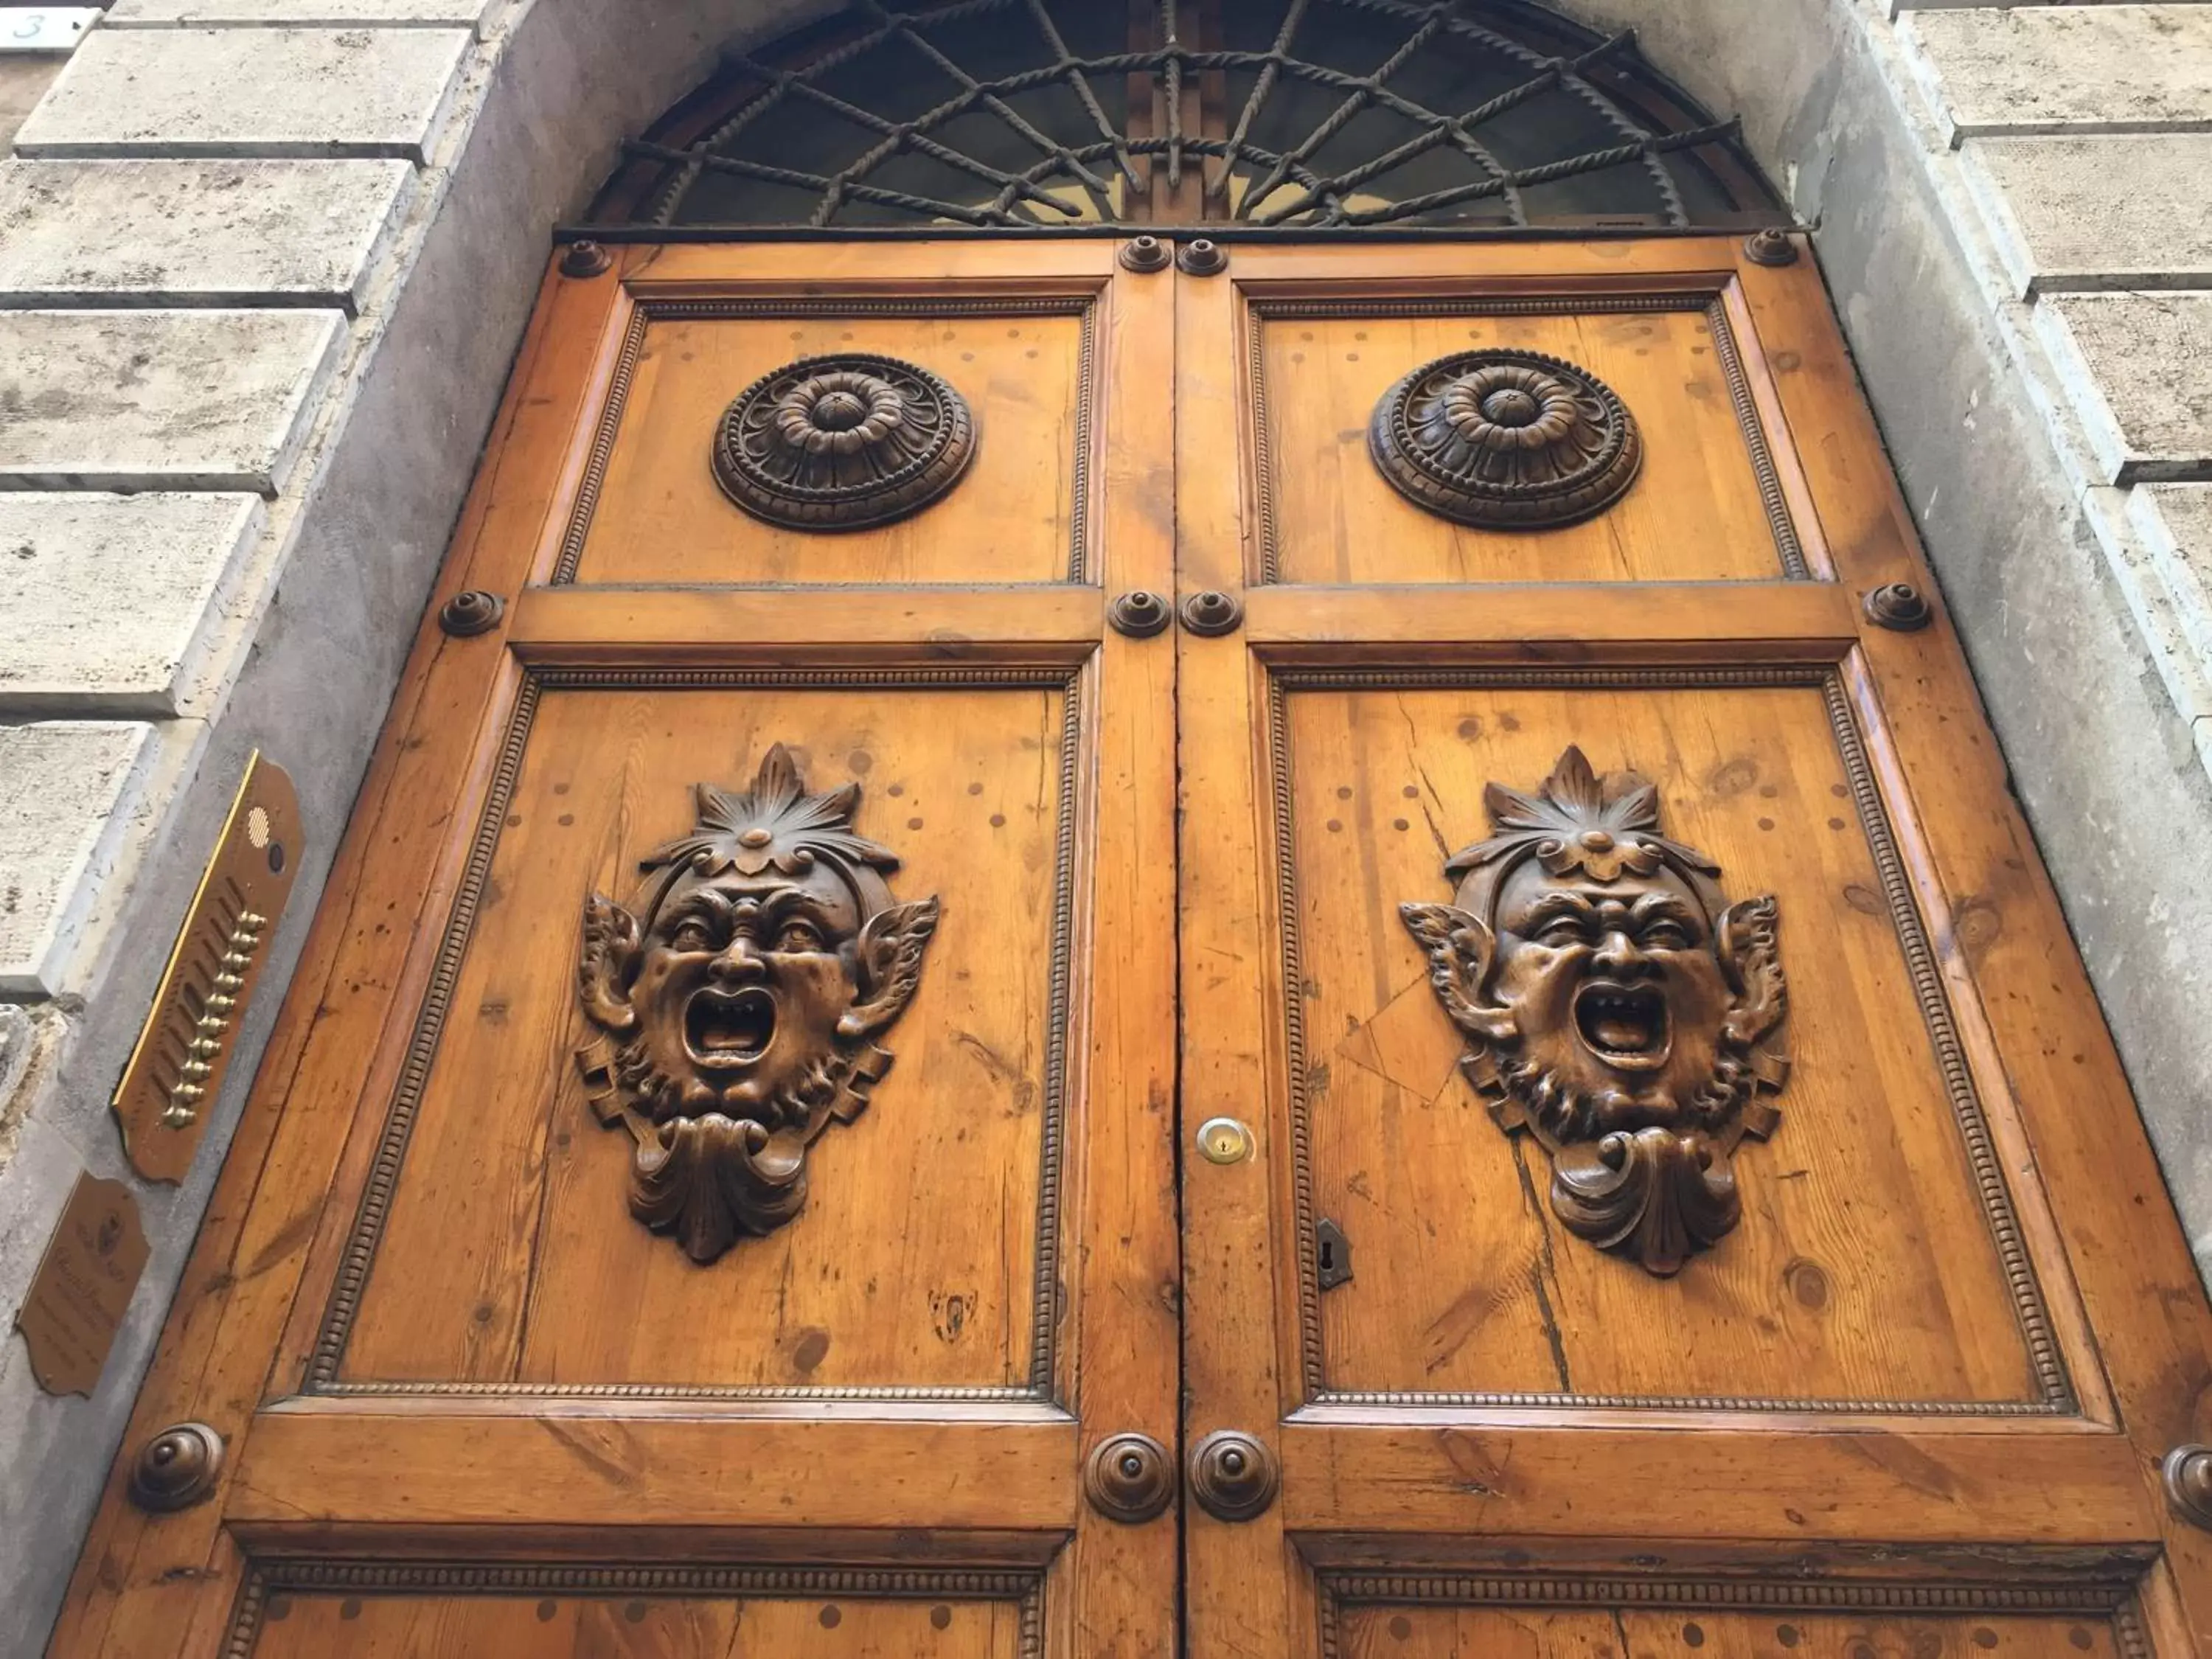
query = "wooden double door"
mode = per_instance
[{"x": 1354, "y": 977}]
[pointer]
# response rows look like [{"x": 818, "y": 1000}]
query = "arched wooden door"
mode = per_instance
[{"x": 1354, "y": 977}]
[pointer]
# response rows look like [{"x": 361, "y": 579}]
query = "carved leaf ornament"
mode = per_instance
[
  {"x": 1505, "y": 440},
  {"x": 1614, "y": 1005},
  {"x": 842, "y": 442},
  {"x": 737, "y": 999}
]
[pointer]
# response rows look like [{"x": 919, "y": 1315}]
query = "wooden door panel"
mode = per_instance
[
  {"x": 450, "y": 1348},
  {"x": 1025, "y": 366},
  {"x": 1431, "y": 1630},
  {"x": 1399, "y": 1484},
  {"x": 1892, "y": 1361},
  {"x": 1536, "y": 623},
  {"x": 1327, "y": 515},
  {"x": 724, "y": 1471},
  {"x": 457, "y": 1611},
  {"x": 1910, "y": 1400},
  {"x": 679, "y": 625},
  {"x": 507, "y": 1253},
  {"x": 1464, "y": 1282}
]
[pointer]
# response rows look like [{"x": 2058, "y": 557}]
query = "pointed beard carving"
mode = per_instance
[
  {"x": 737, "y": 1003},
  {"x": 708, "y": 1179},
  {"x": 1614, "y": 1006}
]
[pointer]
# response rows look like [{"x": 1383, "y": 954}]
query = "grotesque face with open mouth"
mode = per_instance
[
  {"x": 1614, "y": 1003},
  {"x": 741, "y": 981},
  {"x": 1616, "y": 988},
  {"x": 738, "y": 1001}
]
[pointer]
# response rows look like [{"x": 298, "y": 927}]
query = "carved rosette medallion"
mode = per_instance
[
  {"x": 842, "y": 442},
  {"x": 737, "y": 998},
  {"x": 1614, "y": 1005},
  {"x": 1505, "y": 440}
]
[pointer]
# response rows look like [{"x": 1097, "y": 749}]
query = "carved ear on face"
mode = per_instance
[
  {"x": 1460, "y": 945},
  {"x": 888, "y": 965},
  {"x": 609, "y": 959},
  {"x": 1746, "y": 938}
]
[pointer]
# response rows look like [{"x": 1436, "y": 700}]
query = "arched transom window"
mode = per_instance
[{"x": 1299, "y": 114}]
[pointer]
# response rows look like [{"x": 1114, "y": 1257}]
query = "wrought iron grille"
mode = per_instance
[{"x": 1290, "y": 114}]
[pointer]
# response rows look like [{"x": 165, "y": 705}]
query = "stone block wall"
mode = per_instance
[
  {"x": 252, "y": 332},
  {"x": 2060, "y": 456},
  {"x": 264, "y": 263}
]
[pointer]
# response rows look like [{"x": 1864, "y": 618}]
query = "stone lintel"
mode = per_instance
[
  {"x": 236, "y": 92},
  {"x": 105, "y": 600},
  {"x": 2137, "y": 368},
  {"x": 106, "y": 233},
  {"x": 2173, "y": 521},
  {"x": 296, "y": 14},
  {"x": 160, "y": 399},
  {"x": 2113, "y": 211},
  {"x": 1997, "y": 71}
]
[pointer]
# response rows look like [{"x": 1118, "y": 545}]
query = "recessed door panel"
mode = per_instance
[
  {"x": 652, "y": 510},
  {"x": 1466, "y": 1277},
  {"x": 1704, "y": 504},
  {"x": 1383, "y": 1630},
  {"x": 511, "y": 1253},
  {"x": 522, "y": 1613}
]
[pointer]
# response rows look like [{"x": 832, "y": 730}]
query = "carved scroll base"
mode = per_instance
[
  {"x": 708, "y": 1180},
  {"x": 1656, "y": 1196}
]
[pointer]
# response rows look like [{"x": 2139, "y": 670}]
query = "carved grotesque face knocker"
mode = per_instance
[
  {"x": 1614, "y": 1005},
  {"x": 739, "y": 1002}
]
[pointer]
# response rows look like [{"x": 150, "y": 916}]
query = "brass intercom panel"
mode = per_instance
[{"x": 178, "y": 1067}]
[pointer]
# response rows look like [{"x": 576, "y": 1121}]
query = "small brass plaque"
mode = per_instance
[
  {"x": 178, "y": 1067},
  {"x": 74, "y": 1305}
]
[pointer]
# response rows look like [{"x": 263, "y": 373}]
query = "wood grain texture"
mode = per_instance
[
  {"x": 1465, "y": 1279},
  {"x": 397, "y": 1626},
  {"x": 1874, "y": 1170},
  {"x": 510, "y": 1254},
  {"x": 1336, "y": 519},
  {"x": 1243, "y": 1577},
  {"x": 145, "y": 1584},
  {"x": 1123, "y": 1372},
  {"x": 608, "y": 1468},
  {"x": 1577, "y": 1476},
  {"x": 2072, "y": 1121},
  {"x": 784, "y": 626},
  {"x": 661, "y": 518},
  {"x": 1535, "y": 623},
  {"x": 1437, "y": 1632},
  {"x": 798, "y": 1478},
  {"x": 567, "y": 1425}
]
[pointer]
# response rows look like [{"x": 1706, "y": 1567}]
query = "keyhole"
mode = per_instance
[{"x": 1332, "y": 1254}]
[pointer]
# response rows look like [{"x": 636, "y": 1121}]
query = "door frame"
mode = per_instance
[{"x": 141, "y": 1581}]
